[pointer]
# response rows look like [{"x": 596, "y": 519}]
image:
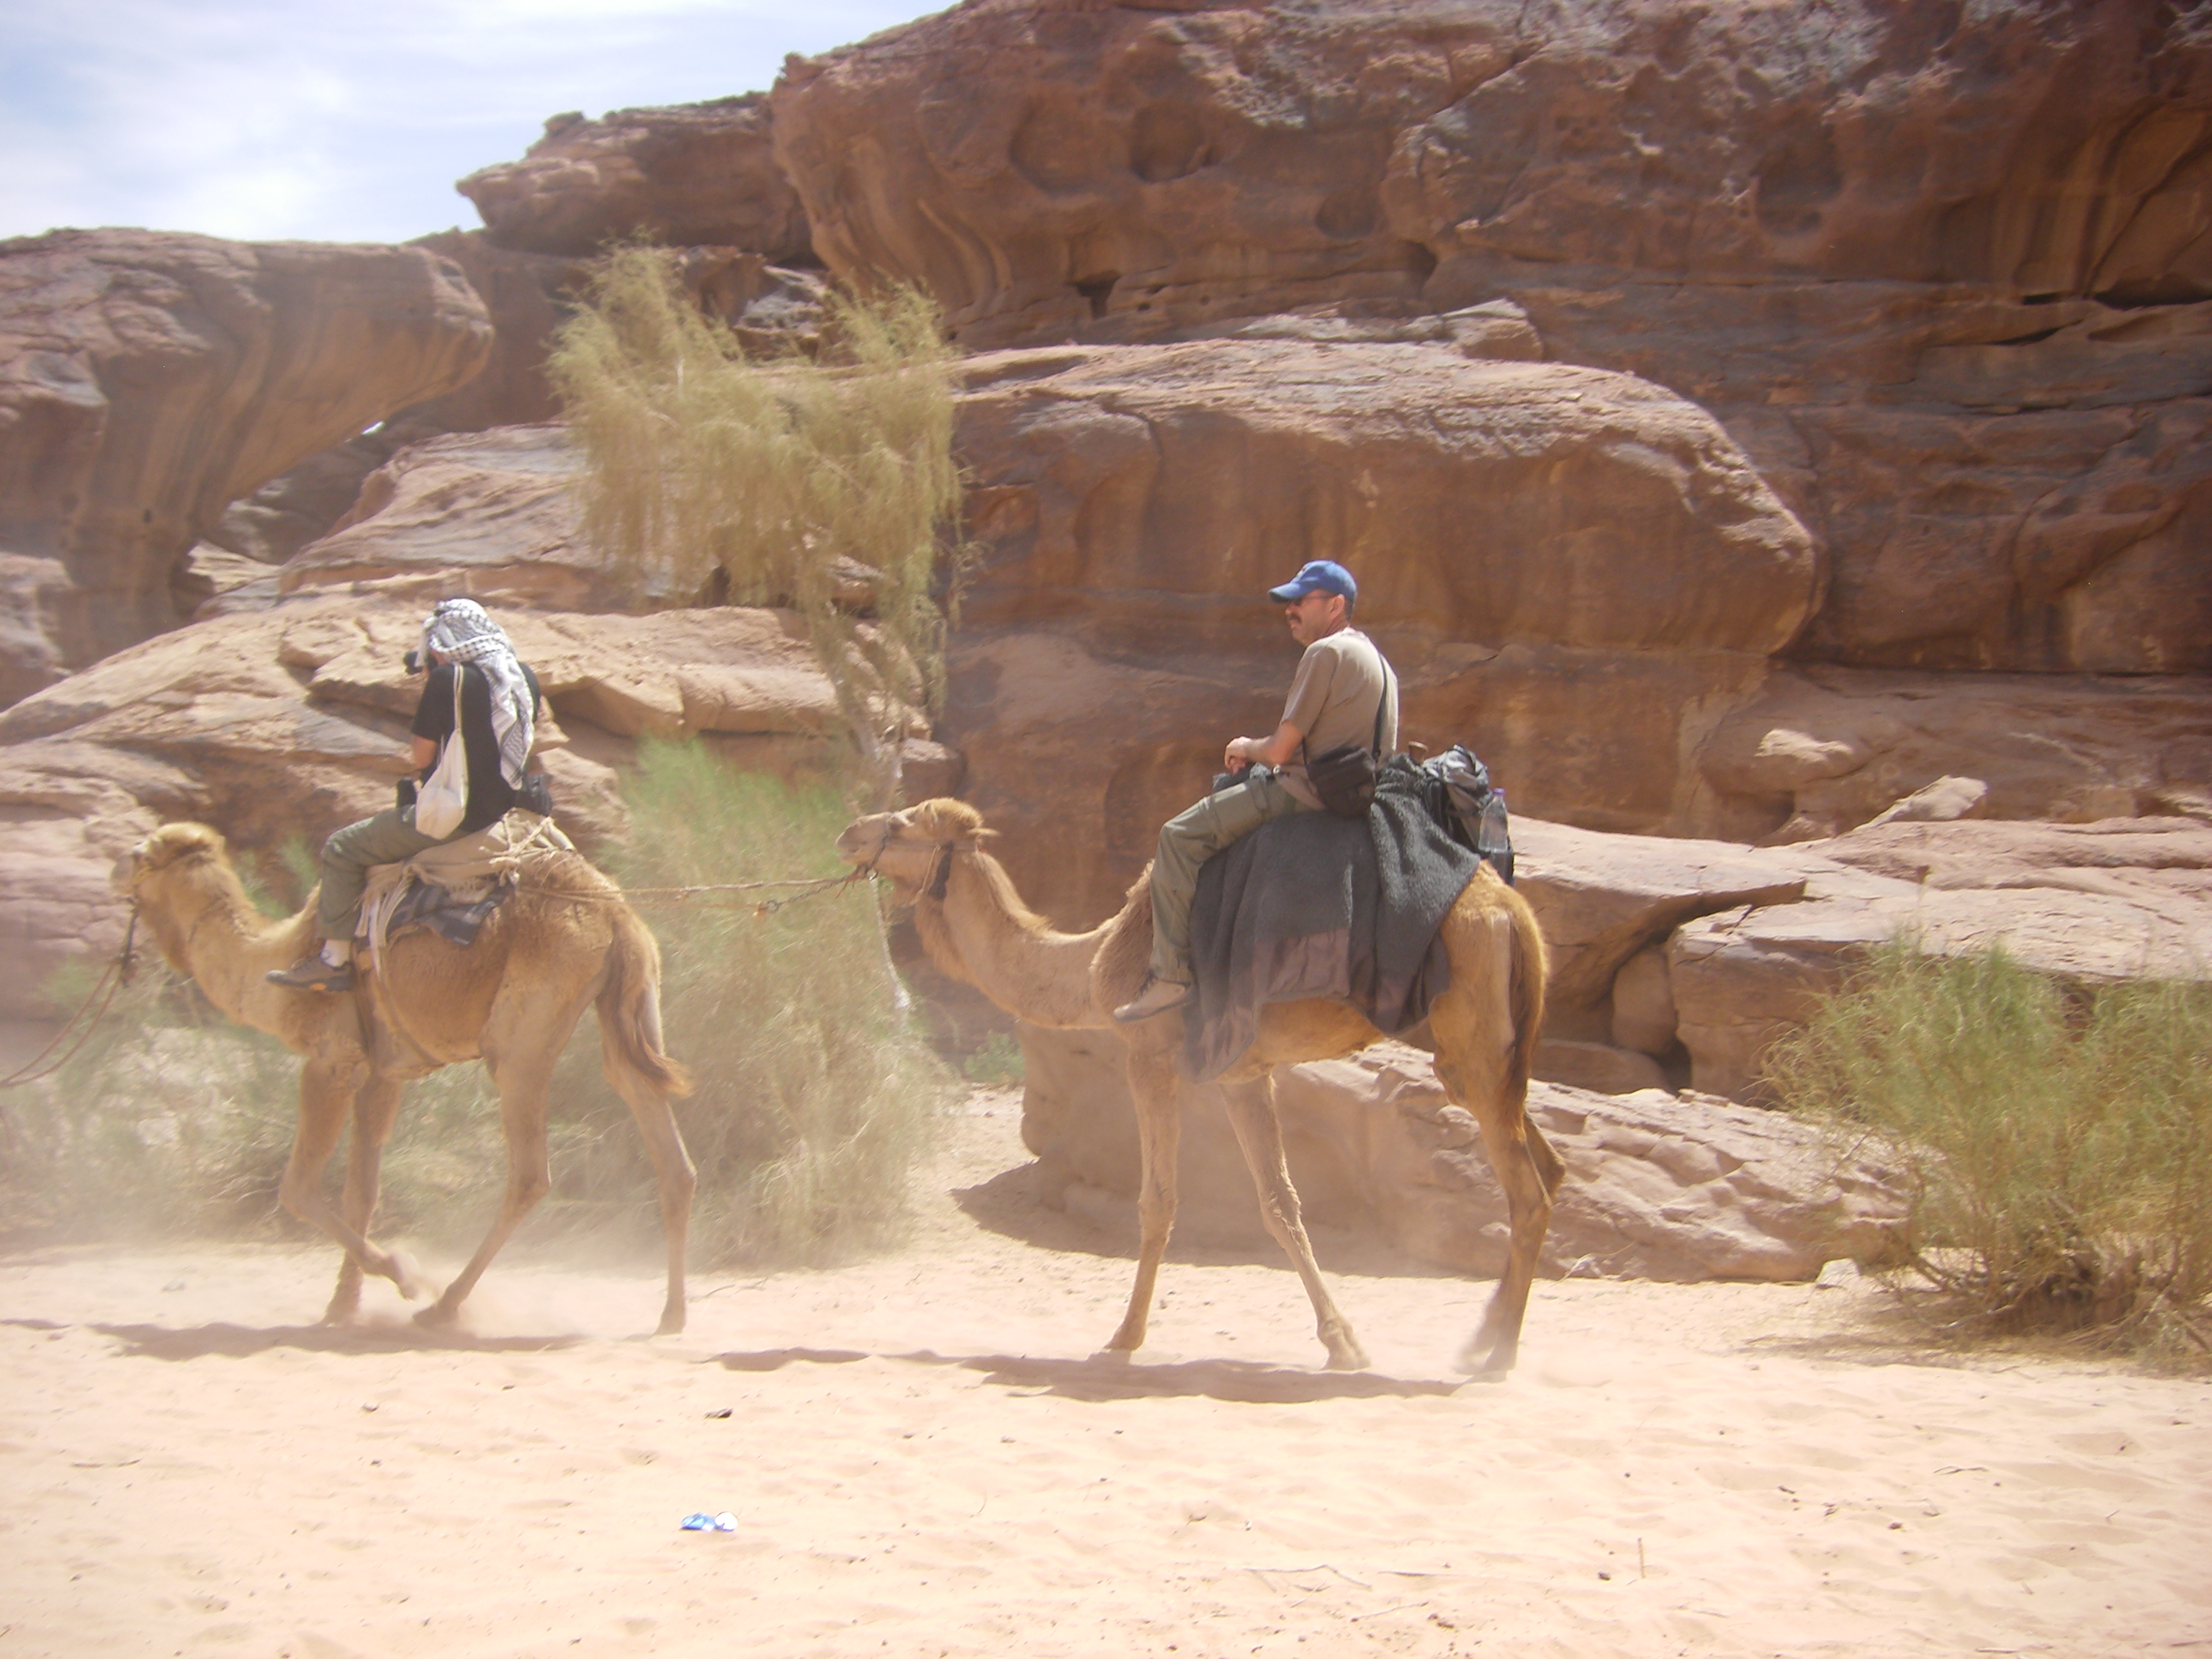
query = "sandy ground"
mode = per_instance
[{"x": 924, "y": 1459}]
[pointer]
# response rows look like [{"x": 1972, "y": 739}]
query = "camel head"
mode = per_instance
[
  {"x": 169, "y": 852},
  {"x": 907, "y": 848},
  {"x": 176, "y": 875}
]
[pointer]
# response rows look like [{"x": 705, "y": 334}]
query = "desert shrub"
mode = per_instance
[
  {"x": 2059, "y": 1141},
  {"x": 816, "y": 1095},
  {"x": 826, "y": 483},
  {"x": 998, "y": 1058}
]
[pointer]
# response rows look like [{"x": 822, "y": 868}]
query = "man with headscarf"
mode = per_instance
[{"x": 500, "y": 703}]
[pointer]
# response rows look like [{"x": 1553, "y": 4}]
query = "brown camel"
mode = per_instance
[
  {"x": 510, "y": 1000},
  {"x": 975, "y": 927}
]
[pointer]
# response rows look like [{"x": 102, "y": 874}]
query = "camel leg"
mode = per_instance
[
  {"x": 1522, "y": 1160},
  {"x": 1159, "y": 1140},
  {"x": 375, "y": 1109},
  {"x": 522, "y": 1080},
  {"x": 326, "y": 1092},
  {"x": 1260, "y": 1133},
  {"x": 671, "y": 1168}
]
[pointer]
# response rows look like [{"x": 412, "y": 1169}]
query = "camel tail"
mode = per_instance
[
  {"x": 629, "y": 1009},
  {"x": 1526, "y": 999}
]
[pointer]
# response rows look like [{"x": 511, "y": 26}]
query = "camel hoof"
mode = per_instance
[
  {"x": 1352, "y": 1359},
  {"x": 436, "y": 1316},
  {"x": 342, "y": 1310},
  {"x": 406, "y": 1277},
  {"x": 672, "y": 1323}
]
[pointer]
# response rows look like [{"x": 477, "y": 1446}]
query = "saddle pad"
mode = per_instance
[{"x": 1317, "y": 906}]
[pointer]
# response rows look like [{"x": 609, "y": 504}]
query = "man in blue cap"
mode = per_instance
[{"x": 1341, "y": 682}]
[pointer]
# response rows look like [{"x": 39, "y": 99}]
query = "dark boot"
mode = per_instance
[{"x": 312, "y": 974}]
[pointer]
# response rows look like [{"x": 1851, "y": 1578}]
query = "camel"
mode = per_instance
[
  {"x": 510, "y": 1000},
  {"x": 975, "y": 927}
]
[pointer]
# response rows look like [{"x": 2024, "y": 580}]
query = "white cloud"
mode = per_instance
[{"x": 274, "y": 118}]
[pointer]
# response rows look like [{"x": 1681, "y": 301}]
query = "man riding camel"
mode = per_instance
[
  {"x": 1341, "y": 683},
  {"x": 500, "y": 705}
]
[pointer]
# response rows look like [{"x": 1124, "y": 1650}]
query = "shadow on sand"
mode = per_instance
[
  {"x": 226, "y": 1342},
  {"x": 1104, "y": 1377},
  {"x": 1017, "y": 1204}
]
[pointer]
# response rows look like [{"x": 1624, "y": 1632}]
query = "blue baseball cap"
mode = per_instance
[{"x": 1316, "y": 576}]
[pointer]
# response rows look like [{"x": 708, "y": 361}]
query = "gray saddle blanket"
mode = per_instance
[
  {"x": 455, "y": 920},
  {"x": 1314, "y": 905}
]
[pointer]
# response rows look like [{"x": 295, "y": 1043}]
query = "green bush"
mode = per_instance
[
  {"x": 817, "y": 1093},
  {"x": 815, "y": 1096},
  {"x": 2059, "y": 1140},
  {"x": 826, "y": 486}
]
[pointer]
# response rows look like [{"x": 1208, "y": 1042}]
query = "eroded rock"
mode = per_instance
[
  {"x": 684, "y": 175},
  {"x": 146, "y": 380}
]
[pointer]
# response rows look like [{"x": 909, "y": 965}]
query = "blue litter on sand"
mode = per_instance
[{"x": 725, "y": 1522}]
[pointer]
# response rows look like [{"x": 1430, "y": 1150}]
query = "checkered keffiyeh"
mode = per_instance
[{"x": 463, "y": 632}]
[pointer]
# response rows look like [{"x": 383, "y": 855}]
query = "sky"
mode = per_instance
[{"x": 346, "y": 120}]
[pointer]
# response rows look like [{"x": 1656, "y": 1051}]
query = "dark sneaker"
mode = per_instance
[
  {"x": 1159, "y": 996},
  {"x": 312, "y": 974}
]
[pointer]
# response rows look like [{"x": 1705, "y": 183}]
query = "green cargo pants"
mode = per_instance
[
  {"x": 387, "y": 838},
  {"x": 1189, "y": 840}
]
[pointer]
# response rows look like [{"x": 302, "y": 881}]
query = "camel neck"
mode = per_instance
[{"x": 1027, "y": 968}]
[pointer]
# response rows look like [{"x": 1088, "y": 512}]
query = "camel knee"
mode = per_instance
[{"x": 528, "y": 1188}]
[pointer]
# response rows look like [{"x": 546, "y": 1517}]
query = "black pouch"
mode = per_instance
[
  {"x": 1344, "y": 778},
  {"x": 536, "y": 795}
]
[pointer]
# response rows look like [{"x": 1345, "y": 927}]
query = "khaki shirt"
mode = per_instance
[{"x": 1332, "y": 702}]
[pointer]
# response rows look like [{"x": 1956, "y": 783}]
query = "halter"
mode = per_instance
[{"x": 940, "y": 870}]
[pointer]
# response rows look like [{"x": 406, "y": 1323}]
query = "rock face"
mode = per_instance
[
  {"x": 149, "y": 379},
  {"x": 287, "y": 724},
  {"x": 1941, "y": 272},
  {"x": 1818, "y": 751},
  {"x": 692, "y": 174},
  {"x": 1130, "y": 503},
  {"x": 486, "y": 513},
  {"x": 1657, "y": 1188}
]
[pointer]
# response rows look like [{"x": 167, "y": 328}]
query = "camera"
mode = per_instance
[{"x": 414, "y": 661}]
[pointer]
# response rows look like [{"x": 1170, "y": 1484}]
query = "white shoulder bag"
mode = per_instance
[{"x": 443, "y": 800}]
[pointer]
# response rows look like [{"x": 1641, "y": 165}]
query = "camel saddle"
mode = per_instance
[
  {"x": 451, "y": 889},
  {"x": 1314, "y": 905}
]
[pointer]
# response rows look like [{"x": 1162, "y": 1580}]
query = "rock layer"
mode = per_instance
[{"x": 147, "y": 379}]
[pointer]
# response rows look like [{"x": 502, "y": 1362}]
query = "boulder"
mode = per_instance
[
  {"x": 1605, "y": 899},
  {"x": 280, "y": 725},
  {"x": 1657, "y": 1188},
  {"x": 146, "y": 380},
  {"x": 1130, "y": 505},
  {"x": 690, "y": 174}
]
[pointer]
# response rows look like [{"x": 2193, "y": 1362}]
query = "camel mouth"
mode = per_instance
[{"x": 856, "y": 847}]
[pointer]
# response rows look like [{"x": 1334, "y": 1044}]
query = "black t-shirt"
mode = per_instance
[{"x": 490, "y": 796}]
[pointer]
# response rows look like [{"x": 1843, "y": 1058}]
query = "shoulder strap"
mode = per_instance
[{"x": 1382, "y": 700}]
